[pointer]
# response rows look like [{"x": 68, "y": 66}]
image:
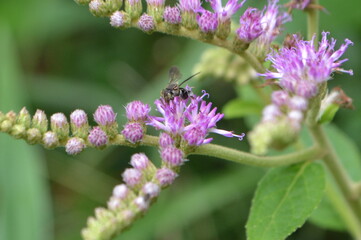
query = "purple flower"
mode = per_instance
[
  {"x": 172, "y": 15},
  {"x": 165, "y": 176},
  {"x": 137, "y": 111},
  {"x": 104, "y": 115},
  {"x": 146, "y": 23},
  {"x": 133, "y": 132},
  {"x": 192, "y": 119},
  {"x": 190, "y": 5},
  {"x": 251, "y": 27},
  {"x": 74, "y": 146},
  {"x": 271, "y": 22},
  {"x": 98, "y": 137},
  {"x": 207, "y": 22},
  {"x": 225, "y": 13},
  {"x": 301, "y": 68}
]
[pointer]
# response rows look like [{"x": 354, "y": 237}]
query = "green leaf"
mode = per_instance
[
  {"x": 24, "y": 194},
  {"x": 238, "y": 108},
  {"x": 284, "y": 199},
  {"x": 329, "y": 113}
]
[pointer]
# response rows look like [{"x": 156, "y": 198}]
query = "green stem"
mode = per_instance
[
  {"x": 313, "y": 22},
  {"x": 337, "y": 170},
  {"x": 213, "y": 150},
  {"x": 196, "y": 34}
]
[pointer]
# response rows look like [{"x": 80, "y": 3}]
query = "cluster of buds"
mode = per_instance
[
  {"x": 137, "y": 114},
  {"x": 190, "y": 15},
  {"x": 300, "y": 70},
  {"x": 142, "y": 184}
]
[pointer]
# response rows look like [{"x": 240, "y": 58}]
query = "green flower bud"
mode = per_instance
[
  {"x": 24, "y": 118},
  {"x": 50, "y": 140},
  {"x": 18, "y": 131},
  {"x": 6, "y": 126},
  {"x": 33, "y": 136},
  {"x": 59, "y": 125},
  {"x": 224, "y": 28},
  {"x": 40, "y": 121},
  {"x": 104, "y": 8},
  {"x": 189, "y": 20},
  {"x": 134, "y": 8}
]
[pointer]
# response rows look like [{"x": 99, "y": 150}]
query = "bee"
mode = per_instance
[{"x": 173, "y": 89}]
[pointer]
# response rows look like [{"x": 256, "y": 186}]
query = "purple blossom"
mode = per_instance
[
  {"x": 207, "y": 22},
  {"x": 172, "y": 15},
  {"x": 137, "y": 111},
  {"x": 146, "y": 23},
  {"x": 225, "y": 13},
  {"x": 104, "y": 115},
  {"x": 133, "y": 132},
  {"x": 251, "y": 27},
  {"x": 271, "y": 22},
  {"x": 192, "y": 119},
  {"x": 98, "y": 137},
  {"x": 190, "y": 5},
  {"x": 301, "y": 68}
]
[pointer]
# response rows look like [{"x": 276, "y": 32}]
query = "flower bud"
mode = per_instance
[
  {"x": 208, "y": 23},
  {"x": 24, "y": 118},
  {"x": 40, "y": 121},
  {"x": 6, "y": 125},
  {"x": 133, "y": 132},
  {"x": 137, "y": 111},
  {"x": 146, "y": 23},
  {"x": 104, "y": 8},
  {"x": 132, "y": 177},
  {"x": 280, "y": 98},
  {"x": 133, "y": 8},
  {"x": 97, "y": 137},
  {"x": 189, "y": 10},
  {"x": 59, "y": 125},
  {"x": 155, "y": 9},
  {"x": 33, "y": 136},
  {"x": 250, "y": 25},
  {"x": 172, "y": 156},
  {"x": 18, "y": 131},
  {"x": 141, "y": 203},
  {"x": 165, "y": 140},
  {"x": 121, "y": 191},
  {"x": 74, "y": 146},
  {"x": 298, "y": 103},
  {"x": 151, "y": 189},
  {"x": 139, "y": 161},
  {"x": 165, "y": 176},
  {"x": 114, "y": 203},
  {"x": 105, "y": 117},
  {"x": 50, "y": 140},
  {"x": 172, "y": 15},
  {"x": 79, "y": 123},
  {"x": 120, "y": 19}
]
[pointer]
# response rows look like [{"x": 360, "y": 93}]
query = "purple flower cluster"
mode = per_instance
[
  {"x": 191, "y": 119},
  {"x": 301, "y": 68},
  {"x": 225, "y": 13}
]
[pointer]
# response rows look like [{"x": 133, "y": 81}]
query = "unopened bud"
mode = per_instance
[
  {"x": 165, "y": 176},
  {"x": 59, "y": 125},
  {"x": 79, "y": 123},
  {"x": 50, "y": 140},
  {"x": 133, "y": 132},
  {"x": 40, "y": 121},
  {"x": 133, "y": 8},
  {"x": 74, "y": 146},
  {"x": 33, "y": 136},
  {"x": 24, "y": 118},
  {"x": 97, "y": 137}
]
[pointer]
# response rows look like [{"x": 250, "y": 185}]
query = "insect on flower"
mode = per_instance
[{"x": 173, "y": 89}]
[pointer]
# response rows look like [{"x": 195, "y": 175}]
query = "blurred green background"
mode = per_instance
[{"x": 55, "y": 56}]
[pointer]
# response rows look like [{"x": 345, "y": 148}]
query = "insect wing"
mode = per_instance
[{"x": 174, "y": 75}]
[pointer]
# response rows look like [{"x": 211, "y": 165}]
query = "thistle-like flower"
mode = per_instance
[
  {"x": 300, "y": 69},
  {"x": 137, "y": 111},
  {"x": 172, "y": 15},
  {"x": 250, "y": 25},
  {"x": 146, "y": 23},
  {"x": 207, "y": 22},
  {"x": 192, "y": 121}
]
